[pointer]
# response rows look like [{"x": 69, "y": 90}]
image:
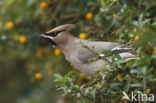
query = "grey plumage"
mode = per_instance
[
  {"x": 115, "y": 48},
  {"x": 126, "y": 55},
  {"x": 78, "y": 56}
]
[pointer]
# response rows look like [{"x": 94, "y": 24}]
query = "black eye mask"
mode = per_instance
[{"x": 53, "y": 34}]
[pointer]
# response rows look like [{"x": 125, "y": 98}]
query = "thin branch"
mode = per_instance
[
  {"x": 104, "y": 58},
  {"x": 111, "y": 4}
]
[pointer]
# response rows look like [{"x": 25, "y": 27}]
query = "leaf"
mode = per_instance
[
  {"x": 127, "y": 85},
  {"x": 78, "y": 95},
  {"x": 144, "y": 69},
  {"x": 69, "y": 74},
  {"x": 132, "y": 71},
  {"x": 58, "y": 77},
  {"x": 92, "y": 59},
  {"x": 136, "y": 85},
  {"x": 117, "y": 56},
  {"x": 107, "y": 52},
  {"x": 76, "y": 87},
  {"x": 86, "y": 91},
  {"x": 93, "y": 93},
  {"x": 103, "y": 3}
]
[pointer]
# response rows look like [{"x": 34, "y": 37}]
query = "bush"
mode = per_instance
[{"x": 29, "y": 65}]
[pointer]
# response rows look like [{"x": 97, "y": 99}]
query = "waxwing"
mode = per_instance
[{"x": 75, "y": 52}]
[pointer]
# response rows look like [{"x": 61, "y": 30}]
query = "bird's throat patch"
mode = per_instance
[{"x": 50, "y": 41}]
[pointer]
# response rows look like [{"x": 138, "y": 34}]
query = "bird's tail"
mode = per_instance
[{"x": 134, "y": 58}]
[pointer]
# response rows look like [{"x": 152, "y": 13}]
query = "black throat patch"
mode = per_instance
[{"x": 50, "y": 41}]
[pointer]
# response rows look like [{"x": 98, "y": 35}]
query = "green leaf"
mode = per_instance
[{"x": 136, "y": 85}]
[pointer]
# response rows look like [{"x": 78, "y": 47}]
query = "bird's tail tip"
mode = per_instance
[{"x": 135, "y": 58}]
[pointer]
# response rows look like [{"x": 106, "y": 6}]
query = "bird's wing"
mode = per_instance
[
  {"x": 126, "y": 55},
  {"x": 85, "y": 54}
]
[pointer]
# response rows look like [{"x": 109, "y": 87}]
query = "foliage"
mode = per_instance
[
  {"x": 132, "y": 75},
  {"x": 27, "y": 63}
]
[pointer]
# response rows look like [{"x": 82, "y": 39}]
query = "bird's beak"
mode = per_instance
[
  {"x": 43, "y": 36},
  {"x": 48, "y": 38}
]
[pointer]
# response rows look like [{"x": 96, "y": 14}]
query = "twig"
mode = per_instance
[
  {"x": 111, "y": 4},
  {"x": 104, "y": 58}
]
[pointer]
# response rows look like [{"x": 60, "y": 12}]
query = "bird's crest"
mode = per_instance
[{"x": 65, "y": 27}]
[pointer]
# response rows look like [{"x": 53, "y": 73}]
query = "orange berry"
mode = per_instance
[
  {"x": 43, "y": 4},
  {"x": 148, "y": 90},
  {"x": 114, "y": 15},
  {"x": 22, "y": 39},
  {"x": 38, "y": 76},
  {"x": 39, "y": 53},
  {"x": 131, "y": 35},
  {"x": 57, "y": 52},
  {"x": 119, "y": 77},
  {"x": 10, "y": 25},
  {"x": 89, "y": 16},
  {"x": 136, "y": 38},
  {"x": 82, "y": 35},
  {"x": 154, "y": 51}
]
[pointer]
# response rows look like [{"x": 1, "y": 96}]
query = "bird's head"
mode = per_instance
[{"x": 58, "y": 34}]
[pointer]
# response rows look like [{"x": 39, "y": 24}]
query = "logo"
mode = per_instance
[
  {"x": 125, "y": 96},
  {"x": 138, "y": 97}
]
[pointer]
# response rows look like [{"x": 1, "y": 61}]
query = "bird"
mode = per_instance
[{"x": 78, "y": 55}]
